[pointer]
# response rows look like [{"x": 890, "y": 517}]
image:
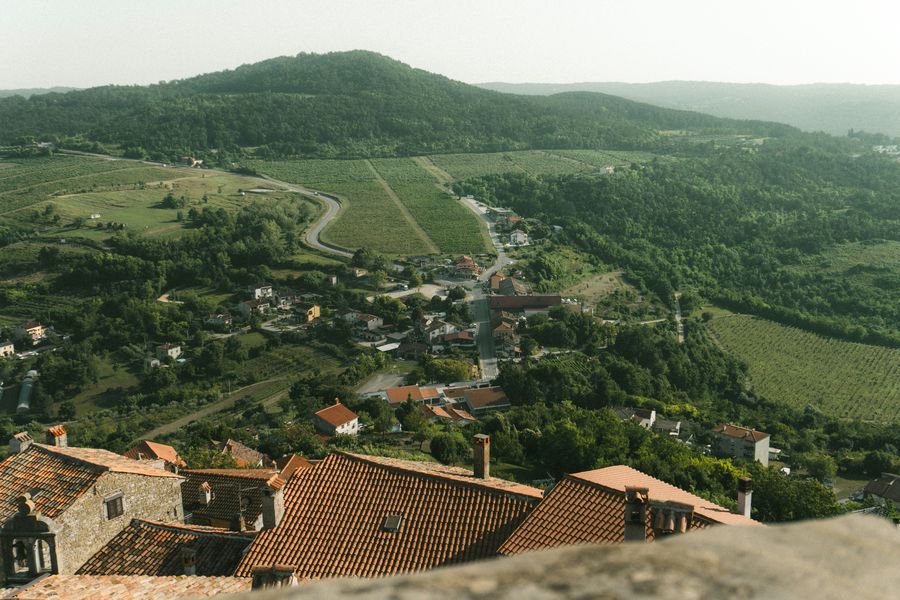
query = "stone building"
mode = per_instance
[
  {"x": 741, "y": 443},
  {"x": 60, "y": 505}
]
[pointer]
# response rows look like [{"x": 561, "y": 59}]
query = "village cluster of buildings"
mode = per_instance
[
  {"x": 265, "y": 300},
  {"x": 72, "y": 518}
]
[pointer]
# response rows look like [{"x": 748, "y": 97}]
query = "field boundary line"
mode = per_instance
[{"x": 432, "y": 247}]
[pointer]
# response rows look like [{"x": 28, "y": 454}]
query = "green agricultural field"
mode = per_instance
[
  {"x": 449, "y": 224},
  {"x": 799, "y": 368},
  {"x": 604, "y": 158},
  {"x": 61, "y": 194}
]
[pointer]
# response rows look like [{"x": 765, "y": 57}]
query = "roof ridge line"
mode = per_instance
[
  {"x": 185, "y": 528},
  {"x": 449, "y": 478},
  {"x": 76, "y": 459}
]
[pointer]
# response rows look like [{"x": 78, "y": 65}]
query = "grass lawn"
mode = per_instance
[{"x": 112, "y": 382}]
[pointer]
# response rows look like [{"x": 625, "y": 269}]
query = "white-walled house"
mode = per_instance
[{"x": 337, "y": 419}]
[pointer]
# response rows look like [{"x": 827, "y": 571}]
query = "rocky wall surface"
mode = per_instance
[{"x": 850, "y": 557}]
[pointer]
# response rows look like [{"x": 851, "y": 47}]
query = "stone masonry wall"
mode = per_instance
[{"x": 85, "y": 528}]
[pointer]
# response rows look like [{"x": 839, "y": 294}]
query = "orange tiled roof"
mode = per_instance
[
  {"x": 91, "y": 587},
  {"x": 589, "y": 507},
  {"x": 288, "y": 464},
  {"x": 243, "y": 455},
  {"x": 492, "y": 397},
  {"x": 154, "y": 450},
  {"x": 401, "y": 394},
  {"x": 335, "y": 515},
  {"x": 235, "y": 491},
  {"x": 742, "y": 433},
  {"x": 57, "y": 477},
  {"x": 336, "y": 415},
  {"x": 152, "y": 548}
]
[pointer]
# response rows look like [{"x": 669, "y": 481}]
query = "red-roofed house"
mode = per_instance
[
  {"x": 366, "y": 516},
  {"x": 589, "y": 508},
  {"x": 153, "y": 451},
  {"x": 741, "y": 442},
  {"x": 337, "y": 419},
  {"x": 399, "y": 395},
  {"x": 484, "y": 400},
  {"x": 59, "y": 505}
]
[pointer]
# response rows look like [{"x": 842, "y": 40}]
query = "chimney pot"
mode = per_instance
[
  {"x": 636, "y": 501},
  {"x": 481, "y": 450},
  {"x": 276, "y": 576},
  {"x": 273, "y": 503},
  {"x": 56, "y": 436},
  {"x": 745, "y": 496},
  {"x": 189, "y": 560}
]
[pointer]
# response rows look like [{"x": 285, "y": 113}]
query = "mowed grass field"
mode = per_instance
[
  {"x": 56, "y": 193},
  {"x": 799, "y": 368}
]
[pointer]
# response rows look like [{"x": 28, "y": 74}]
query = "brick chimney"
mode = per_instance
[
  {"x": 206, "y": 494},
  {"x": 745, "y": 496},
  {"x": 276, "y": 576},
  {"x": 273, "y": 502},
  {"x": 481, "y": 450},
  {"x": 19, "y": 442},
  {"x": 636, "y": 501},
  {"x": 56, "y": 436}
]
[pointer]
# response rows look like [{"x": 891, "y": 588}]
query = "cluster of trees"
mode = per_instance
[{"x": 742, "y": 227}]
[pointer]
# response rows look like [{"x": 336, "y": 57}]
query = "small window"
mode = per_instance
[
  {"x": 392, "y": 523},
  {"x": 114, "y": 506}
]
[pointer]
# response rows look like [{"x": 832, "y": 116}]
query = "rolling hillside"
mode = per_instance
[
  {"x": 833, "y": 108},
  {"x": 341, "y": 105}
]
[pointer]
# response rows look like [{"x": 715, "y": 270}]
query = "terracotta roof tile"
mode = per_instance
[
  {"x": 147, "y": 450},
  {"x": 57, "y": 477},
  {"x": 235, "y": 491},
  {"x": 589, "y": 507},
  {"x": 402, "y": 394},
  {"x": 742, "y": 433},
  {"x": 152, "y": 548},
  {"x": 493, "y": 397},
  {"x": 244, "y": 455},
  {"x": 335, "y": 516},
  {"x": 336, "y": 415},
  {"x": 115, "y": 587}
]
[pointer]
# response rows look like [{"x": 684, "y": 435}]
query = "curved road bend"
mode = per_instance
[{"x": 332, "y": 206}]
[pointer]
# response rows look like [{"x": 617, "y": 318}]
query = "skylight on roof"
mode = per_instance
[{"x": 392, "y": 523}]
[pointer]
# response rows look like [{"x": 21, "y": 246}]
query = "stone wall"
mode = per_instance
[
  {"x": 850, "y": 557},
  {"x": 85, "y": 528}
]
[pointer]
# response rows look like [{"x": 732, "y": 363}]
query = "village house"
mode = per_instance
[
  {"x": 166, "y": 456},
  {"x": 465, "y": 267},
  {"x": 30, "y": 330},
  {"x": 480, "y": 401},
  {"x": 495, "y": 279},
  {"x": 463, "y": 339},
  {"x": 308, "y": 312},
  {"x": 238, "y": 499},
  {"x": 645, "y": 417},
  {"x": 243, "y": 455},
  {"x": 593, "y": 507},
  {"x": 166, "y": 352},
  {"x": 7, "y": 349},
  {"x": 741, "y": 443},
  {"x": 59, "y": 505},
  {"x": 525, "y": 305},
  {"x": 263, "y": 291},
  {"x": 397, "y": 505},
  {"x": 364, "y": 321},
  {"x": 260, "y": 306},
  {"x": 448, "y": 413},
  {"x": 337, "y": 419},
  {"x": 510, "y": 286},
  {"x": 155, "y": 549},
  {"x": 399, "y": 395},
  {"x": 518, "y": 238},
  {"x": 437, "y": 329},
  {"x": 887, "y": 488}
]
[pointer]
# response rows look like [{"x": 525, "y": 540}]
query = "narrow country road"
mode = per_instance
[{"x": 313, "y": 233}]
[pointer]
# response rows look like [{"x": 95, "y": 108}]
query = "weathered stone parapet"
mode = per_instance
[{"x": 849, "y": 557}]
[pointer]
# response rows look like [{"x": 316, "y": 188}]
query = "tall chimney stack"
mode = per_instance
[
  {"x": 636, "y": 501},
  {"x": 189, "y": 560},
  {"x": 745, "y": 496},
  {"x": 481, "y": 450},
  {"x": 273, "y": 502},
  {"x": 56, "y": 436}
]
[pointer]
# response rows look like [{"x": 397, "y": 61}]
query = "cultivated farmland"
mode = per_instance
[{"x": 799, "y": 368}]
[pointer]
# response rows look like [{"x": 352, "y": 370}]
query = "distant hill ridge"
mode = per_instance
[
  {"x": 344, "y": 104},
  {"x": 28, "y": 92},
  {"x": 831, "y": 107}
]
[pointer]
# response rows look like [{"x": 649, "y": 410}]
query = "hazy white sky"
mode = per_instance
[{"x": 94, "y": 42}]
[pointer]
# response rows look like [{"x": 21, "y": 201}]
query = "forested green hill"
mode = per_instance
[{"x": 346, "y": 104}]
